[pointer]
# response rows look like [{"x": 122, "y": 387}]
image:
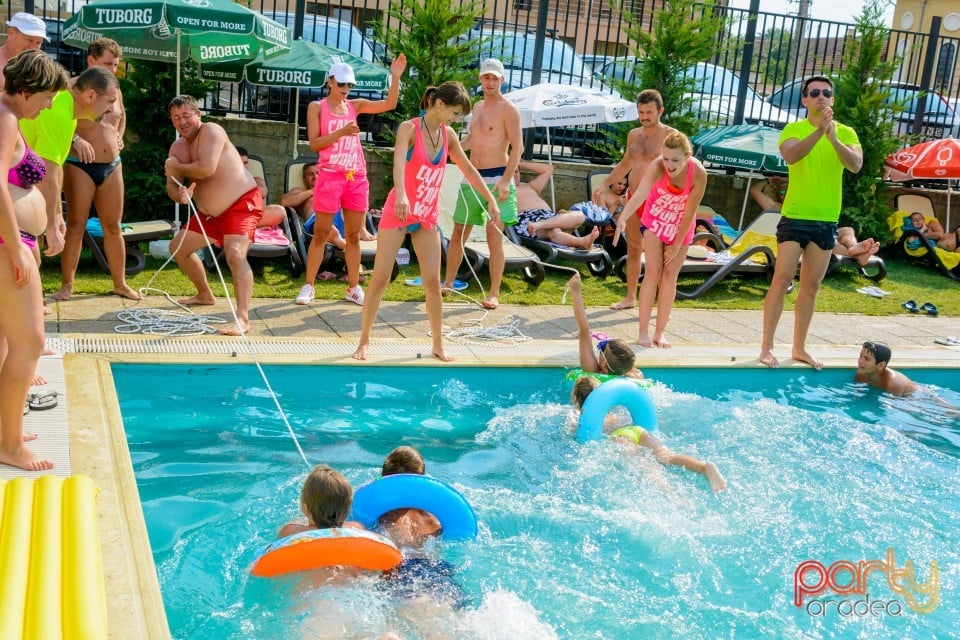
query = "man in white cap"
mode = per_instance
[
  {"x": 24, "y": 32},
  {"x": 495, "y": 151}
]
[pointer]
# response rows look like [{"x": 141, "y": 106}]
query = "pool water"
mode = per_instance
[{"x": 576, "y": 541}]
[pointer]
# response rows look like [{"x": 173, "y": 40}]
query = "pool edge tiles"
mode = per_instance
[{"x": 98, "y": 448}]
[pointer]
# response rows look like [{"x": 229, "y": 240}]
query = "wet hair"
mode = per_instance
[
  {"x": 582, "y": 388},
  {"x": 242, "y": 151},
  {"x": 677, "y": 140},
  {"x": 33, "y": 72},
  {"x": 100, "y": 79},
  {"x": 880, "y": 351},
  {"x": 619, "y": 356},
  {"x": 453, "y": 94},
  {"x": 403, "y": 460},
  {"x": 327, "y": 497},
  {"x": 650, "y": 95},
  {"x": 100, "y": 46},
  {"x": 184, "y": 100},
  {"x": 806, "y": 83}
]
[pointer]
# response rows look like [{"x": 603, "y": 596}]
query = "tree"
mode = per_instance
[
  {"x": 781, "y": 56},
  {"x": 684, "y": 33},
  {"x": 864, "y": 103}
]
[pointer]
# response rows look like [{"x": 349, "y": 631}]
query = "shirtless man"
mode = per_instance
[
  {"x": 873, "y": 368},
  {"x": 537, "y": 220},
  {"x": 92, "y": 176},
  {"x": 933, "y": 230},
  {"x": 300, "y": 199},
  {"x": 226, "y": 197},
  {"x": 273, "y": 214},
  {"x": 24, "y": 32},
  {"x": 495, "y": 143},
  {"x": 644, "y": 144}
]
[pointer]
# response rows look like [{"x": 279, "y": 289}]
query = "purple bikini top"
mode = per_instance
[{"x": 29, "y": 171}]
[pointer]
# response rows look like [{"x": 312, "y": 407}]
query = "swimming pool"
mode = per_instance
[{"x": 577, "y": 541}]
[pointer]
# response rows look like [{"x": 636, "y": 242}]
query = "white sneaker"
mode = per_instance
[
  {"x": 306, "y": 294},
  {"x": 355, "y": 295}
]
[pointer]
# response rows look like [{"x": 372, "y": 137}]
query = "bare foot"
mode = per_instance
[
  {"x": 360, "y": 353},
  {"x": 626, "y": 303},
  {"x": 860, "y": 247},
  {"x": 442, "y": 356},
  {"x": 490, "y": 302},
  {"x": 47, "y": 351},
  {"x": 127, "y": 292},
  {"x": 63, "y": 293},
  {"x": 587, "y": 241},
  {"x": 803, "y": 356},
  {"x": 531, "y": 230},
  {"x": 643, "y": 340},
  {"x": 768, "y": 359},
  {"x": 864, "y": 257},
  {"x": 47, "y": 310},
  {"x": 234, "y": 329},
  {"x": 717, "y": 482},
  {"x": 660, "y": 341},
  {"x": 38, "y": 381},
  {"x": 197, "y": 300},
  {"x": 23, "y": 458},
  {"x": 29, "y": 437}
]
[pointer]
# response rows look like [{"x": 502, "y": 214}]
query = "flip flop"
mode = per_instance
[
  {"x": 949, "y": 341},
  {"x": 42, "y": 401},
  {"x": 910, "y": 306},
  {"x": 930, "y": 308},
  {"x": 26, "y": 407},
  {"x": 870, "y": 291},
  {"x": 458, "y": 285}
]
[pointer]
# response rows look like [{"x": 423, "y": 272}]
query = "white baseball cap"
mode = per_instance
[
  {"x": 492, "y": 65},
  {"x": 341, "y": 72},
  {"x": 29, "y": 25}
]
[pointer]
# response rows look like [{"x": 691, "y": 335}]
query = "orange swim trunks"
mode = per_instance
[{"x": 239, "y": 219}]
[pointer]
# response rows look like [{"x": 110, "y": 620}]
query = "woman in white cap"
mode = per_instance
[{"x": 342, "y": 177}]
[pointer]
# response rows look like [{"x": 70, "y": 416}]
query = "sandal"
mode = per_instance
[
  {"x": 910, "y": 306},
  {"x": 42, "y": 401},
  {"x": 930, "y": 308}
]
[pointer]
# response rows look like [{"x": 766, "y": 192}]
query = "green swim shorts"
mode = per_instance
[{"x": 471, "y": 206}]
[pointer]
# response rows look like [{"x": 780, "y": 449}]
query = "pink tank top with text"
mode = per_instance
[
  {"x": 664, "y": 208},
  {"x": 346, "y": 154},
  {"x": 422, "y": 179}
]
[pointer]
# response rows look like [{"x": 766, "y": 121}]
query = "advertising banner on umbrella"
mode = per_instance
[
  {"x": 934, "y": 160},
  {"x": 211, "y": 30},
  {"x": 560, "y": 105},
  {"x": 304, "y": 66}
]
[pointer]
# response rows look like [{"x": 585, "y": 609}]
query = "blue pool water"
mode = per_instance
[{"x": 576, "y": 541}]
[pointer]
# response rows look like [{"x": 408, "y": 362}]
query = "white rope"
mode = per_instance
[{"x": 186, "y": 323}]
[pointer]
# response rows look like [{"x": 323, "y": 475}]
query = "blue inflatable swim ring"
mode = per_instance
[
  {"x": 407, "y": 490},
  {"x": 610, "y": 394}
]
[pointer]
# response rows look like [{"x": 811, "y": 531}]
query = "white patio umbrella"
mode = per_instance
[{"x": 560, "y": 105}]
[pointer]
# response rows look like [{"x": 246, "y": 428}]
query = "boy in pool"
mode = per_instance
[
  {"x": 585, "y": 385},
  {"x": 614, "y": 357},
  {"x": 325, "y": 500},
  {"x": 873, "y": 367}
]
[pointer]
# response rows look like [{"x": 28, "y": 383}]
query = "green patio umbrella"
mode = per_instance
[
  {"x": 741, "y": 146},
  {"x": 211, "y": 30}
]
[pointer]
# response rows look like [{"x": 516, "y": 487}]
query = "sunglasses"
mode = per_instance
[
  {"x": 350, "y": 85},
  {"x": 815, "y": 93}
]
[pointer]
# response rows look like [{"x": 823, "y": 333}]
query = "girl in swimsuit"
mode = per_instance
[
  {"x": 670, "y": 190},
  {"x": 413, "y": 205},
  {"x": 31, "y": 80}
]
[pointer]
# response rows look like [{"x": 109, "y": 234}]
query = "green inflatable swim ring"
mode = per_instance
[{"x": 573, "y": 374}]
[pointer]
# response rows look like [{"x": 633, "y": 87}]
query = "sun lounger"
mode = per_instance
[
  {"x": 910, "y": 243},
  {"x": 598, "y": 261},
  {"x": 133, "y": 234}
]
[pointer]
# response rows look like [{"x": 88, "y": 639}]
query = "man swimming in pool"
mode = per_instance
[{"x": 873, "y": 368}]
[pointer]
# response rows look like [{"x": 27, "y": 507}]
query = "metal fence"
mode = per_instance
[{"x": 551, "y": 40}]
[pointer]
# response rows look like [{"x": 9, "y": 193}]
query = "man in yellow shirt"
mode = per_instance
[{"x": 817, "y": 149}]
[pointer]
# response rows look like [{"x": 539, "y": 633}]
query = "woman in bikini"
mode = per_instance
[
  {"x": 31, "y": 80},
  {"x": 413, "y": 205},
  {"x": 670, "y": 191}
]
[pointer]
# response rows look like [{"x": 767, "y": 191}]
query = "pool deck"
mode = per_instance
[{"x": 83, "y": 332}]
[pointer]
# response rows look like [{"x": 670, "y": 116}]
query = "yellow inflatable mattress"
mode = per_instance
[{"x": 51, "y": 574}]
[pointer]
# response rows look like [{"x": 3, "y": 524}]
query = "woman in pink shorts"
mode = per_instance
[
  {"x": 670, "y": 191},
  {"x": 413, "y": 206},
  {"x": 30, "y": 81},
  {"x": 342, "y": 170}
]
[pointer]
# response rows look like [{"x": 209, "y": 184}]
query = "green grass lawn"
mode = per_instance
[{"x": 838, "y": 292}]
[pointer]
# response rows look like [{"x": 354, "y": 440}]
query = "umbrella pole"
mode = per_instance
[
  {"x": 176, "y": 206},
  {"x": 949, "y": 192},
  {"x": 553, "y": 195},
  {"x": 746, "y": 196},
  {"x": 296, "y": 121}
]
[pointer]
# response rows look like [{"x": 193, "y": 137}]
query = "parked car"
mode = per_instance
[
  {"x": 714, "y": 93},
  {"x": 72, "y": 58},
  {"x": 940, "y": 120}
]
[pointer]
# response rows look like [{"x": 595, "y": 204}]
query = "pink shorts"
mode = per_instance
[
  {"x": 338, "y": 189},
  {"x": 240, "y": 218}
]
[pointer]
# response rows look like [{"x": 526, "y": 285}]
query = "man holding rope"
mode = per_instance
[{"x": 228, "y": 205}]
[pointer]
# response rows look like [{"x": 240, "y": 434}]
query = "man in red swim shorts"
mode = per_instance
[{"x": 226, "y": 197}]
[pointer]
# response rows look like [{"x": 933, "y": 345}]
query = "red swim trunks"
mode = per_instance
[{"x": 239, "y": 219}]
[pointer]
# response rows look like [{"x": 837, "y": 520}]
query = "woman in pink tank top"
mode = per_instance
[
  {"x": 30, "y": 81},
  {"x": 672, "y": 189},
  {"x": 342, "y": 171},
  {"x": 413, "y": 206}
]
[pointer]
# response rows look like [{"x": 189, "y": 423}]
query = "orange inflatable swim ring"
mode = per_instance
[{"x": 327, "y": 548}]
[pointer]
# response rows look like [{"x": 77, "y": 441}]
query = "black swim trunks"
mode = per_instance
[
  {"x": 416, "y": 577},
  {"x": 822, "y": 234}
]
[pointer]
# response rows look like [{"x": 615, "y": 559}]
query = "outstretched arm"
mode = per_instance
[
  {"x": 588, "y": 358},
  {"x": 638, "y": 198},
  {"x": 390, "y": 102}
]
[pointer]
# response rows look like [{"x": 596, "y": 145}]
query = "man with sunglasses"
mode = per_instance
[{"x": 816, "y": 149}]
